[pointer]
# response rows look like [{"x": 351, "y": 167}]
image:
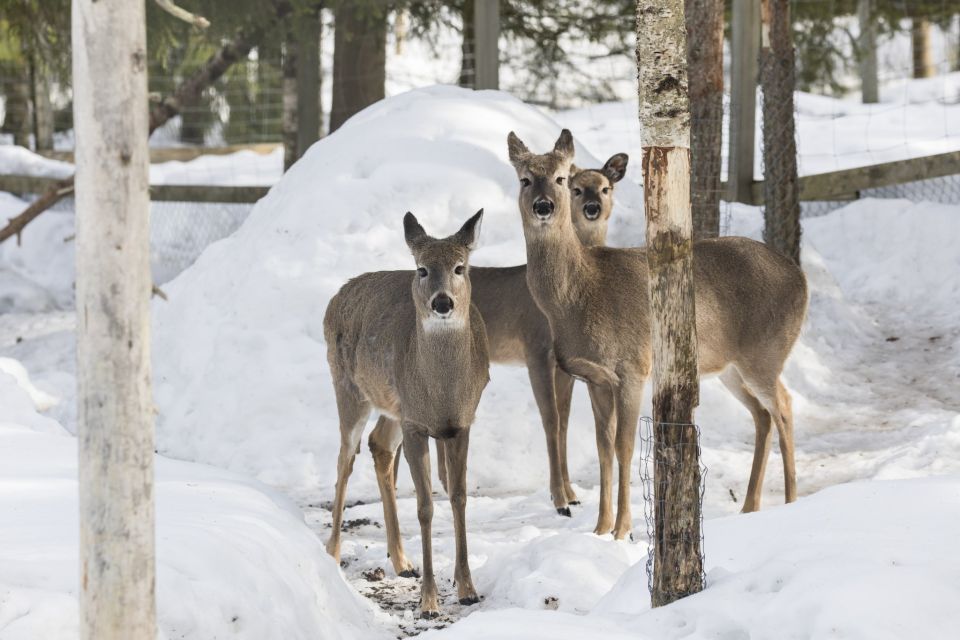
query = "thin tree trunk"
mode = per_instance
[
  {"x": 359, "y": 59},
  {"x": 115, "y": 412},
  {"x": 309, "y": 79},
  {"x": 468, "y": 63},
  {"x": 867, "y": 45},
  {"x": 42, "y": 109},
  {"x": 781, "y": 189},
  {"x": 191, "y": 120},
  {"x": 704, "y": 20},
  {"x": 922, "y": 52},
  {"x": 17, "y": 107},
  {"x": 289, "y": 117},
  {"x": 665, "y": 123}
]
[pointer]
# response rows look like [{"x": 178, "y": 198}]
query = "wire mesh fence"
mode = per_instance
[{"x": 652, "y": 455}]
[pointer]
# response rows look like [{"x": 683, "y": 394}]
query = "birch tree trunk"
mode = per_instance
[
  {"x": 704, "y": 20},
  {"x": 665, "y": 123},
  {"x": 115, "y": 411},
  {"x": 781, "y": 185}
]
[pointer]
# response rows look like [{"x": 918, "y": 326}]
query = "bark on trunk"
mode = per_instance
[
  {"x": 289, "y": 117},
  {"x": 704, "y": 20},
  {"x": 115, "y": 412},
  {"x": 359, "y": 59},
  {"x": 922, "y": 53},
  {"x": 42, "y": 109},
  {"x": 867, "y": 44},
  {"x": 781, "y": 188},
  {"x": 309, "y": 80},
  {"x": 468, "y": 64},
  {"x": 665, "y": 122},
  {"x": 17, "y": 120}
]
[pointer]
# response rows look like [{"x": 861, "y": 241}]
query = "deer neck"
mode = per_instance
[
  {"x": 556, "y": 266},
  {"x": 441, "y": 347}
]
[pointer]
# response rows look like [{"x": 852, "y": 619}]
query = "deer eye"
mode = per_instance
[
  {"x": 606, "y": 190},
  {"x": 578, "y": 192},
  {"x": 422, "y": 272},
  {"x": 559, "y": 179},
  {"x": 458, "y": 270},
  {"x": 525, "y": 182}
]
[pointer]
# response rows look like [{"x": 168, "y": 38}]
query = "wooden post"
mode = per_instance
[
  {"x": 665, "y": 123},
  {"x": 486, "y": 25},
  {"x": 922, "y": 52},
  {"x": 745, "y": 36},
  {"x": 867, "y": 44},
  {"x": 308, "y": 81},
  {"x": 705, "y": 62},
  {"x": 781, "y": 185},
  {"x": 288, "y": 119},
  {"x": 115, "y": 403}
]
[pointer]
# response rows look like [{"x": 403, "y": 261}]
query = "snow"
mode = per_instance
[
  {"x": 242, "y": 384},
  {"x": 234, "y": 558}
]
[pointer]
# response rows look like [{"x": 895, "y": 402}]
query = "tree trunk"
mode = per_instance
[
  {"x": 486, "y": 44},
  {"x": 289, "y": 117},
  {"x": 922, "y": 53},
  {"x": 115, "y": 412},
  {"x": 42, "y": 109},
  {"x": 17, "y": 120},
  {"x": 744, "y": 46},
  {"x": 309, "y": 78},
  {"x": 192, "y": 122},
  {"x": 665, "y": 123},
  {"x": 704, "y": 20},
  {"x": 781, "y": 188},
  {"x": 359, "y": 59},
  {"x": 867, "y": 45},
  {"x": 468, "y": 64}
]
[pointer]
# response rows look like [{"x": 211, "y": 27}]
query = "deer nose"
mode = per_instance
[
  {"x": 591, "y": 210},
  {"x": 543, "y": 207},
  {"x": 442, "y": 304}
]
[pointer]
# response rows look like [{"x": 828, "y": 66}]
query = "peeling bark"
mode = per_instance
[{"x": 665, "y": 123}]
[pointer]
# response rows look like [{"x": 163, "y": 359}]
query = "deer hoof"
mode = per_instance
[
  {"x": 564, "y": 511},
  {"x": 410, "y": 573},
  {"x": 430, "y": 614},
  {"x": 575, "y": 503},
  {"x": 471, "y": 600}
]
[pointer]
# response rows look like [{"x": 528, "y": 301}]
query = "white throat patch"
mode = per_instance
[{"x": 433, "y": 324}]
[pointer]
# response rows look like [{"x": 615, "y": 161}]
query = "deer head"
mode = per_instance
[
  {"x": 544, "y": 193},
  {"x": 591, "y": 198},
  {"x": 441, "y": 284}
]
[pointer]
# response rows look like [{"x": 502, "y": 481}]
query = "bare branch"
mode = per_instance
[{"x": 183, "y": 14}]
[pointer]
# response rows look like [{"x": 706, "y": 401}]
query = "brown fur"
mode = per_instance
[
  {"x": 388, "y": 350},
  {"x": 750, "y": 305},
  {"x": 591, "y": 199}
]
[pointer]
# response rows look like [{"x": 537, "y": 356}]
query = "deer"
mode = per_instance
[
  {"x": 750, "y": 306},
  {"x": 413, "y": 346},
  {"x": 519, "y": 334}
]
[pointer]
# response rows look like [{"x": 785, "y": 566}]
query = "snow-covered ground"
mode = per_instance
[{"x": 242, "y": 384}]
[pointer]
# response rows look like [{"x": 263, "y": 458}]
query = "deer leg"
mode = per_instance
[
  {"x": 417, "y": 451},
  {"x": 564, "y": 394},
  {"x": 384, "y": 442},
  {"x": 604, "y": 413},
  {"x": 628, "y": 415},
  {"x": 733, "y": 381},
  {"x": 442, "y": 465},
  {"x": 353, "y": 416},
  {"x": 541, "y": 368},
  {"x": 785, "y": 435},
  {"x": 456, "y": 449}
]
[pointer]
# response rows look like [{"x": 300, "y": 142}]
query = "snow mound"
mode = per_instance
[
  {"x": 863, "y": 560},
  {"x": 234, "y": 558},
  {"x": 240, "y": 369}
]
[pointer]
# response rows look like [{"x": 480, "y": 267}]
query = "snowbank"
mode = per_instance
[
  {"x": 866, "y": 560},
  {"x": 241, "y": 373},
  {"x": 234, "y": 559}
]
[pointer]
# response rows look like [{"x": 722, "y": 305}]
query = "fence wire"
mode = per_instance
[{"x": 649, "y": 477}]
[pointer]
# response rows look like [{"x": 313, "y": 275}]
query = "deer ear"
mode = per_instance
[
  {"x": 616, "y": 167},
  {"x": 412, "y": 231},
  {"x": 564, "y": 144},
  {"x": 467, "y": 236},
  {"x": 516, "y": 149}
]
